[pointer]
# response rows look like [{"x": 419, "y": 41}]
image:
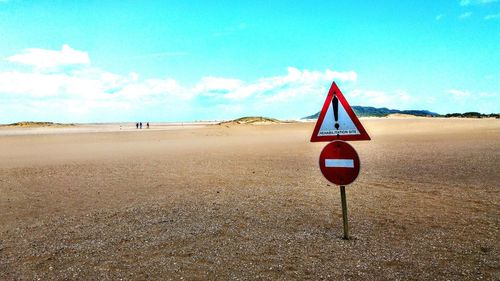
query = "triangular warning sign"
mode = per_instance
[{"x": 337, "y": 120}]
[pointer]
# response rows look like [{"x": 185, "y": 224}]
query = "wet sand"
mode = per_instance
[{"x": 248, "y": 202}]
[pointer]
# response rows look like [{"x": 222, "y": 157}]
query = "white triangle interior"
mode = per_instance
[{"x": 346, "y": 126}]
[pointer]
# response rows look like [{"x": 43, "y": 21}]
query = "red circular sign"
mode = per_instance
[{"x": 339, "y": 163}]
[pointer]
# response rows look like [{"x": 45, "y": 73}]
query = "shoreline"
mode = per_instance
[
  {"x": 75, "y": 128},
  {"x": 97, "y": 128}
]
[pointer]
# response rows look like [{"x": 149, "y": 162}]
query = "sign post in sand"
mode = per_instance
[{"x": 339, "y": 162}]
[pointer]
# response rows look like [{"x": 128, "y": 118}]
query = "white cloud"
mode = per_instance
[
  {"x": 231, "y": 30},
  {"x": 43, "y": 58},
  {"x": 217, "y": 84},
  {"x": 133, "y": 76},
  {"x": 492, "y": 17},
  {"x": 37, "y": 85},
  {"x": 476, "y": 2},
  {"x": 88, "y": 94},
  {"x": 465, "y": 15},
  {"x": 158, "y": 55},
  {"x": 295, "y": 82},
  {"x": 458, "y": 93},
  {"x": 399, "y": 99},
  {"x": 488, "y": 95},
  {"x": 485, "y": 102}
]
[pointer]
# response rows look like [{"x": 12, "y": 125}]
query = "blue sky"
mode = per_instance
[{"x": 103, "y": 61}]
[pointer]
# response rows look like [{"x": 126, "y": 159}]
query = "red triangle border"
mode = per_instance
[{"x": 363, "y": 134}]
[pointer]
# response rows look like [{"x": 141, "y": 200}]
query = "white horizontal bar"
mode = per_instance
[{"x": 339, "y": 163}]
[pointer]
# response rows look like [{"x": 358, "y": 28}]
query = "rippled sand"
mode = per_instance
[{"x": 249, "y": 202}]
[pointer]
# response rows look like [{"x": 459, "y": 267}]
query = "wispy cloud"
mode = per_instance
[
  {"x": 231, "y": 30},
  {"x": 158, "y": 55},
  {"x": 44, "y": 59},
  {"x": 465, "y": 15},
  {"x": 476, "y": 2},
  {"x": 488, "y": 94},
  {"x": 392, "y": 99},
  {"x": 440, "y": 16},
  {"x": 492, "y": 17},
  {"x": 486, "y": 102},
  {"x": 89, "y": 94},
  {"x": 458, "y": 93}
]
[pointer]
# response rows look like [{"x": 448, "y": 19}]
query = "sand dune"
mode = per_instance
[{"x": 249, "y": 202}]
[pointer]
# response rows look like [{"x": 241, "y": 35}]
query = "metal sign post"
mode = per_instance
[
  {"x": 344, "y": 212},
  {"x": 338, "y": 161},
  {"x": 340, "y": 164}
]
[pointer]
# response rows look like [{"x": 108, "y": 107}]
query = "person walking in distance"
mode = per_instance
[
  {"x": 137, "y": 125},
  {"x": 147, "y": 125},
  {"x": 140, "y": 125}
]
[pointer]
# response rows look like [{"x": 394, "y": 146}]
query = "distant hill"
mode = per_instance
[
  {"x": 473, "y": 115},
  {"x": 251, "y": 120},
  {"x": 30, "y": 124},
  {"x": 368, "y": 111}
]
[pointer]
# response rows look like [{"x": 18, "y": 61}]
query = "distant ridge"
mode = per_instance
[
  {"x": 473, "y": 115},
  {"x": 368, "y": 111},
  {"x": 36, "y": 124},
  {"x": 251, "y": 120}
]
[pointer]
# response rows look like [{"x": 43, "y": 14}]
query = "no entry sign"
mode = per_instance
[{"x": 339, "y": 163}]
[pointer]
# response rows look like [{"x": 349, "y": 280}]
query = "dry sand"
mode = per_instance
[{"x": 248, "y": 202}]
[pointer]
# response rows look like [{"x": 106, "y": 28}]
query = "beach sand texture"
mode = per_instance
[{"x": 248, "y": 202}]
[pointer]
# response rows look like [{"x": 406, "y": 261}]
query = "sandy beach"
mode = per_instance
[{"x": 248, "y": 202}]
